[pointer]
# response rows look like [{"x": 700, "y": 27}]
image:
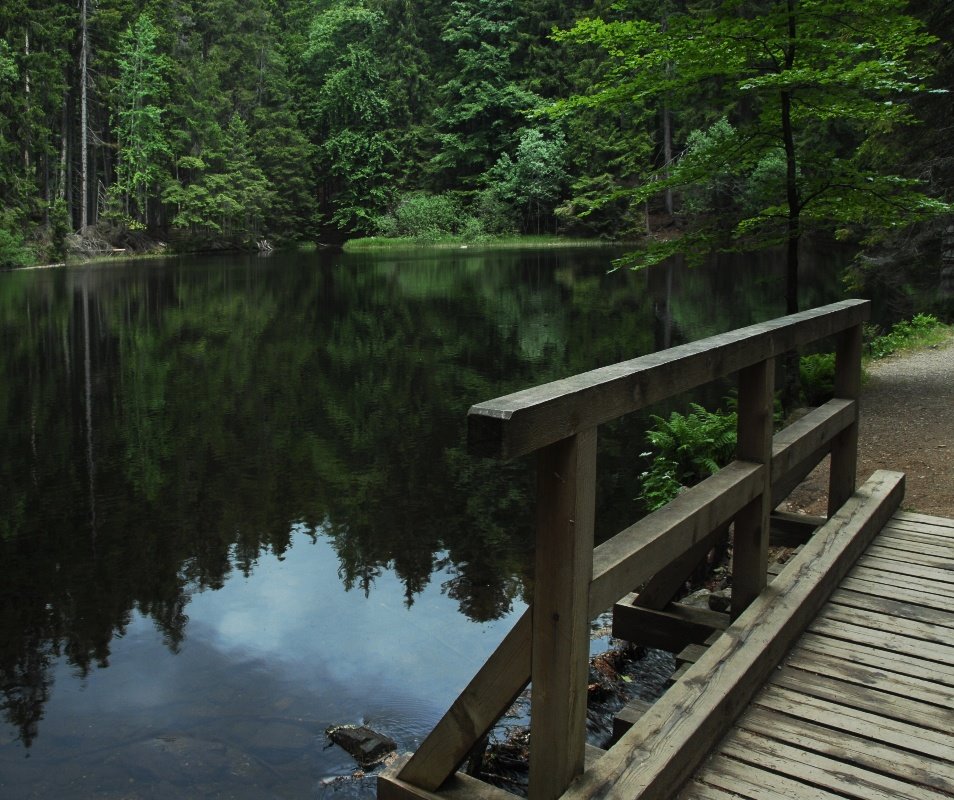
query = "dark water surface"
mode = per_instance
[{"x": 236, "y": 505}]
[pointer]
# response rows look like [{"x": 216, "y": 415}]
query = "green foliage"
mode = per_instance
[
  {"x": 13, "y": 252},
  {"x": 531, "y": 183},
  {"x": 817, "y": 373},
  {"x": 140, "y": 91},
  {"x": 60, "y": 228},
  {"x": 812, "y": 88},
  {"x": 422, "y": 215},
  {"x": 686, "y": 449},
  {"x": 482, "y": 104},
  {"x": 920, "y": 331}
]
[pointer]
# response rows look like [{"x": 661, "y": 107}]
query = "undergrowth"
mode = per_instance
[
  {"x": 922, "y": 330},
  {"x": 687, "y": 448}
]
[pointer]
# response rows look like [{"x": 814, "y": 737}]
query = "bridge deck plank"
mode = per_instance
[{"x": 863, "y": 705}]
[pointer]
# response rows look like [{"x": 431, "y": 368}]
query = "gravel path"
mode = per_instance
[{"x": 907, "y": 424}]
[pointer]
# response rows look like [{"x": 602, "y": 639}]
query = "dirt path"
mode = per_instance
[{"x": 907, "y": 424}]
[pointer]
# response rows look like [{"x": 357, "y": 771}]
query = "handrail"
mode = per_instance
[
  {"x": 528, "y": 420},
  {"x": 573, "y": 581}
]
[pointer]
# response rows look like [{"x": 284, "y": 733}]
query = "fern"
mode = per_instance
[
  {"x": 687, "y": 448},
  {"x": 817, "y": 374}
]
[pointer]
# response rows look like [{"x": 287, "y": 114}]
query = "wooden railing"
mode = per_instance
[{"x": 574, "y": 581}]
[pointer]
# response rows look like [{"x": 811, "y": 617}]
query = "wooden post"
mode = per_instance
[
  {"x": 561, "y": 642},
  {"x": 750, "y": 544},
  {"x": 844, "y": 447}
]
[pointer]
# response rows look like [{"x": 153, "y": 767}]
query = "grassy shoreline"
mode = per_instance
[{"x": 371, "y": 243}]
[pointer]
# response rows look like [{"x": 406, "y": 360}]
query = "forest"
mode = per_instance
[{"x": 686, "y": 125}]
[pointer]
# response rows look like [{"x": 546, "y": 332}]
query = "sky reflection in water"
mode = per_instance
[{"x": 268, "y": 662}]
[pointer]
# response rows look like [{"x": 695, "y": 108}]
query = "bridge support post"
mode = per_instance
[
  {"x": 844, "y": 447},
  {"x": 751, "y": 539},
  {"x": 566, "y": 491}
]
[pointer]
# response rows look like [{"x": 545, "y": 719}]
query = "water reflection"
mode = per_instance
[{"x": 185, "y": 426}]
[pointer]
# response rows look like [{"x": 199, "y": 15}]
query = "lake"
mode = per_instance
[{"x": 236, "y": 505}]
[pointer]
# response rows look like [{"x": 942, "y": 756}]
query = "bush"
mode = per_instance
[
  {"x": 687, "y": 448},
  {"x": 422, "y": 216}
]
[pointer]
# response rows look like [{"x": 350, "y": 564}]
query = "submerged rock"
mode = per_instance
[{"x": 366, "y": 746}]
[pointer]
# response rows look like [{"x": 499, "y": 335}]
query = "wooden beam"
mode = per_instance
[
  {"x": 662, "y": 587},
  {"x": 566, "y": 499},
  {"x": 491, "y": 692},
  {"x": 637, "y": 553},
  {"x": 525, "y": 421},
  {"x": 800, "y": 447},
  {"x": 391, "y": 786},
  {"x": 664, "y": 748},
  {"x": 844, "y": 449},
  {"x": 669, "y": 629},
  {"x": 751, "y": 534},
  {"x": 793, "y": 530}
]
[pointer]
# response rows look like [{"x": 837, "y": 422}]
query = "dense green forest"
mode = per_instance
[{"x": 225, "y": 122}]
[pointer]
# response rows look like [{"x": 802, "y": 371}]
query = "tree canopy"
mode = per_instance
[{"x": 227, "y": 120}]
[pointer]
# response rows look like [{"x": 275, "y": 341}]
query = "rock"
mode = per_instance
[
  {"x": 721, "y": 600},
  {"x": 365, "y": 745},
  {"x": 698, "y": 599}
]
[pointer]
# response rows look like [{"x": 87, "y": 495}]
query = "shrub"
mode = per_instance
[{"x": 422, "y": 216}]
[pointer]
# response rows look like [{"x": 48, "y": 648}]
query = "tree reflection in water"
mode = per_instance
[{"x": 164, "y": 427}]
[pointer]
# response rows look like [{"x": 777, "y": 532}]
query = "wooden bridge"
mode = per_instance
[{"x": 832, "y": 678}]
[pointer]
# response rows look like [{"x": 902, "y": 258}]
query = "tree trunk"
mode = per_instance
[
  {"x": 61, "y": 176},
  {"x": 791, "y": 381},
  {"x": 84, "y": 120},
  {"x": 667, "y": 153}
]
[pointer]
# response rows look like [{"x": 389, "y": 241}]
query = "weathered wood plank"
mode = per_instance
[
  {"x": 900, "y": 663},
  {"x": 760, "y": 784},
  {"x": 924, "y": 715},
  {"x": 390, "y": 786},
  {"x": 942, "y": 522},
  {"x": 805, "y": 766},
  {"x": 662, "y": 587},
  {"x": 566, "y": 497},
  {"x": 922, "y": 631},
  {"x": 933, "y": 574},
  {"x": 859, "y": 723},
  {"x": 886, "y": 640},
  {"x": 525, "y": 421},
  {"x": 793, "y": 530},
  {"x": 916, "y": 769},
  {"x": 665, "y": 746},
  {"x": 670, "y": 629},
  {"x": 896, "y": 608},
  {"x": 489, "y": 694},
  {"x": 700, "y": 791},
  {"x": 943, "y": 563},
  {"x": 628, "y": 716},
  {"x": 751, "y": 529},
  {"x": 926, "y": 691},
  {"x": 634, "y": 555},
  {"x": 892, "y": 579},
  {"x": 798, "y": 447},
  {"x": 936, "y": 532},
  {"x": 902, "y": 540},
  {"x": 909, "y": 596},
  {"x": 842, "y": 473}
]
